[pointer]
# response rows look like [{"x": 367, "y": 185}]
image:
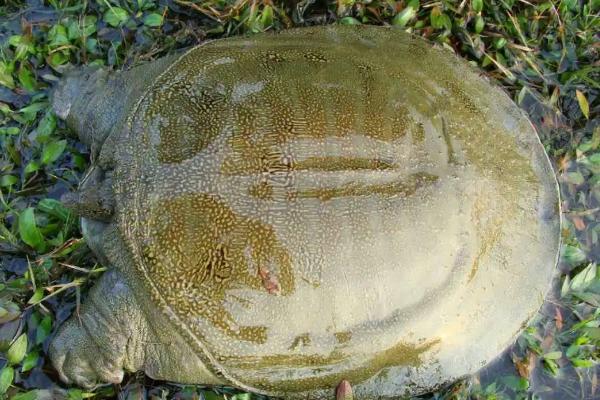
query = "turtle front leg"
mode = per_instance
[{"x": 106, "y": 339}]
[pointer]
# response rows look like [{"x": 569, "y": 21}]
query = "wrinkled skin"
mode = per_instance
[{"x": 286, "y": 212}]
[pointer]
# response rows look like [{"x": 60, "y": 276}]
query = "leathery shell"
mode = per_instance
[{"x": 336, "y": 203}]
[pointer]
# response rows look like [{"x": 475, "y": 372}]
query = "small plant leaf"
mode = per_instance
[
  {"x": 402, "y": 18},
  {"x": 116, "y": 16},
  {"x": 16, "y": 351},
  {"x": 29, "y": 231},
  {"x": 53, "y": 150},
  {"x": 266, "y": 18},
  {"x": 37, "y": 296},
  {"x": 573, "y": 255},
  {"x": 43, "y": 330},
  {"x": 30, "y": 395},
  {"x": 8, "y": 180},
  {"x": 583, "y": 104},
  {"x": 55, "y": 208},
  {"x": 31, "y": 167},
  {"x": 6, "y": 378},
  {"x": 584, "y": 278},
  {"x": 30, "y": 361},
  {"x": 440, "y": 20},
  {"x": 153, "y": 20},
  {"x": 479, "y": 24},
  {"x": 349, "y": 21},
  {"x": 554, "y": 355},
  {"x": 6, "y": 78},
  {"x": 45, "y": 128},
  {"x": 27, "y": 79}
]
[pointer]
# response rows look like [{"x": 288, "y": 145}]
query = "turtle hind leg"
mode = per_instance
[
  {"x": 105, "y": 340},
  {"x": 115, "y": 332}
]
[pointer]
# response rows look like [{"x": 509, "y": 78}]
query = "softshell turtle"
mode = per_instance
[{"x": 283, "y": 211}]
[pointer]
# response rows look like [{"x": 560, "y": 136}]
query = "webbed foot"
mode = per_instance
[{"x": 104, "y": 341}]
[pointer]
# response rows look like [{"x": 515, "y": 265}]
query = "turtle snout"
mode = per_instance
[
  {"x": 73, "y": 93},
  {"x": 68, "y": 91}
]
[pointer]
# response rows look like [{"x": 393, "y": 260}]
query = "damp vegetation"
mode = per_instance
[{"x": 546, "y": 54}]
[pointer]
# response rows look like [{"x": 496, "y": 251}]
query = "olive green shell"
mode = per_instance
[{"x": 336, "y": 203}]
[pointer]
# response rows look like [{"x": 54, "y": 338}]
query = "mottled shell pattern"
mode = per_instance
[{"x": 336, "y": 203}]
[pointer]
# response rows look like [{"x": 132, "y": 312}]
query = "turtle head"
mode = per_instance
[{"x": 80, "y": 99}]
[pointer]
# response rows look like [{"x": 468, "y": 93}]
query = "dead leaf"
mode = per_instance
[
  {"x": 583, "y": 104},
  {"x": 559, "y": 319},
  {"x": 579, "y": 223}
]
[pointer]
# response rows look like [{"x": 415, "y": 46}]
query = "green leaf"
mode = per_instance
[
  {"x": 91, "y": 45},
  {"x": 582, "y": 363},
  {"x": 6, "y": 378},
  {"x": 52, "y": 151},
  {"x": 17, "y": 350},
  {"x": 54, "y": 208},
  {"x": 58, "y": 36},
  {"x": 583, "y": 104},
  {"x": 349, "y": 21},
  {"x": 500, "y": 43},
  {"x": 37, "y": 296},
  {"x": 479, "y": 24},
  {"x": 594, "y": 158},
  {"x": 29, "y": 231},
  {"x": 31, "y": 167},
  {"x": 10, "y": 311},
  {"x": 210, "y": 395},
  {"x": 116, "y": 16},
  {"x": 440, "y": 20},
  {"x": 8, "y": 180},
  {"x": 30, "y": 112},
  {"x": 241, "y": 396},
  {"x": 23, "y": 46},
  {"x": 43, "y": 330},
  {"x": 592, "y": 333},
  {"x": 573, "y": 255},
  {"x": 9, "y": 130},
  {"x": 89, "y": 25},
  {"x": 46, "y": 127},
  {"x": 551, "y": 365},
  {"x": 6, "y": 78},
  {"x": 266, "y": 18},
  {"x": 30, "y": 361},
  {"x": 584, "y": 278},
  {"x": 564, "y": 289},
  {"x": 590, "y": 298},
  {"x": 58, "y": 58},
  {"x": 153, "y": 20},
  {"x": 477, "y": 5},
  {"x": 75, "y": 394},
  {"x": 414, "y": 4},
  {"x": 402, "y": 18},
  {"x": 553, "y": 355},
  {"x": 30, "y": 395},
  {"x": 514, "y": 382},
  {"x": 27, "y": 79}
]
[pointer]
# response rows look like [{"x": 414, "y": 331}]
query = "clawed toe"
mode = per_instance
[{"x": 78, "y": 360}]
